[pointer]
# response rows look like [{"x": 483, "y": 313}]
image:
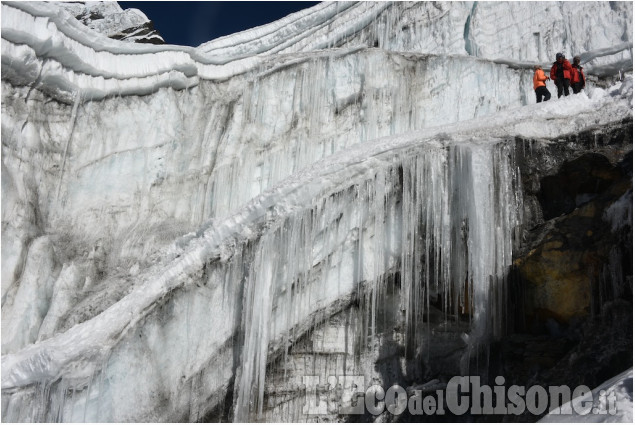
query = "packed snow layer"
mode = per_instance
[
  {"x": 610, "y": 402},
  {"x": 85, "y": 62}
]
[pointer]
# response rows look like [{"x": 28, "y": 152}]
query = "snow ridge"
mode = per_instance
[{"x": 63, "y": 56}]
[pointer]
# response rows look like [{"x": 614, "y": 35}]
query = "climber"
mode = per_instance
[
  {"x": 578, "y": 81},
  {"x": 540, "y": 86},
  {"x": 561, "y": 74}
]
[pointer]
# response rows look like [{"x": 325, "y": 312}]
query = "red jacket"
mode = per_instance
[
  {"x": 566, "y": 69},
  {"x": 577, "y": 75}
]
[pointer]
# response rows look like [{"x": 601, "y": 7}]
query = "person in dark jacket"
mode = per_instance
[
  {"x": 578, "y": 80},
  {"x": 561, "y": 74}
]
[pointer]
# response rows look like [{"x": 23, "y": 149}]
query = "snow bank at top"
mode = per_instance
[{"x": 44, "y": 45}]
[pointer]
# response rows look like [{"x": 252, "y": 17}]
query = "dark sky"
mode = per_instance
[{"x": 191, "y": 23}]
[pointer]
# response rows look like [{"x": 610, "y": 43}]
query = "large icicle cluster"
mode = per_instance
[
  {"x": 176, "y": 219},
  {"x": 426, "y": 203}
]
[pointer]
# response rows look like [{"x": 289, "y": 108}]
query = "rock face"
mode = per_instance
[
  {"x": 110, "y": 19},
  {"x": 565, "y": 270},
  {"x": 578, "y": 256},
  {"x": 576, "y": 183},
  {"x": 572, "y": 279}
]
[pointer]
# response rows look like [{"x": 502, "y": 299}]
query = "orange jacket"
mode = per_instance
[
  {"x": 539, "y": 78},
  {"x": 577, "y": 74}
]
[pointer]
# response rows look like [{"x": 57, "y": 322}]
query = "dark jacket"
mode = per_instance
[{"x": 565, "y": 67}]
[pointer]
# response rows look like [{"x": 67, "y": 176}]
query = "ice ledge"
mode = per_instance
[{"x": 44, "y": 45}]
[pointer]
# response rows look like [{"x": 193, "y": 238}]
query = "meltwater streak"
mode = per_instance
[{"x": 78, "y": 99}]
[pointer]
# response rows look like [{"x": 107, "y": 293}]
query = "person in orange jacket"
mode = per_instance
[
  {"x": 561, "y": 74},
  {"x": 540, "y": 87},
  {"x": 578, "y": 81}
]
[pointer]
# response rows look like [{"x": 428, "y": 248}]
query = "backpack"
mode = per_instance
[{"x": 578, "y": 76}]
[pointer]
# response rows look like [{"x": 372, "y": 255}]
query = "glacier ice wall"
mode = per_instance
[
  {"x": 301, "y": 262},
  {"x": 242, "y": 137},
  {"x": 242, "y": 130},
  {"x": 181, "y": 216}
]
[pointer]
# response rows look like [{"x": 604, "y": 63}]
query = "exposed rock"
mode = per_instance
[
  {"x": 562, "y": 262},
  {"x": 573, "y": 283},
  {"x": 576, "y": 183},
  {"x": 110, "y": 19},
  {"x": 563, "y": 271},
  {"x": 144, "y": 33}
]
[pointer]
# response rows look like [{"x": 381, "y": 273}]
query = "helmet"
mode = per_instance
[
  {"x": 576, "y": 58},
  {"x": 559, "y": 55}
]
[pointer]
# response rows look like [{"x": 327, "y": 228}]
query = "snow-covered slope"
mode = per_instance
[
  {"x": 603, "y": 35},
  {"x": 174, "y": 217},
  {"x": 614, "y": 403}
]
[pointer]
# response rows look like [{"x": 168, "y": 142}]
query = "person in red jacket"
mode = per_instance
[
  {"x": 540, "y": 87},
  {"x": 578, "y": 81},
  {"x": 561, "y": 74}
]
